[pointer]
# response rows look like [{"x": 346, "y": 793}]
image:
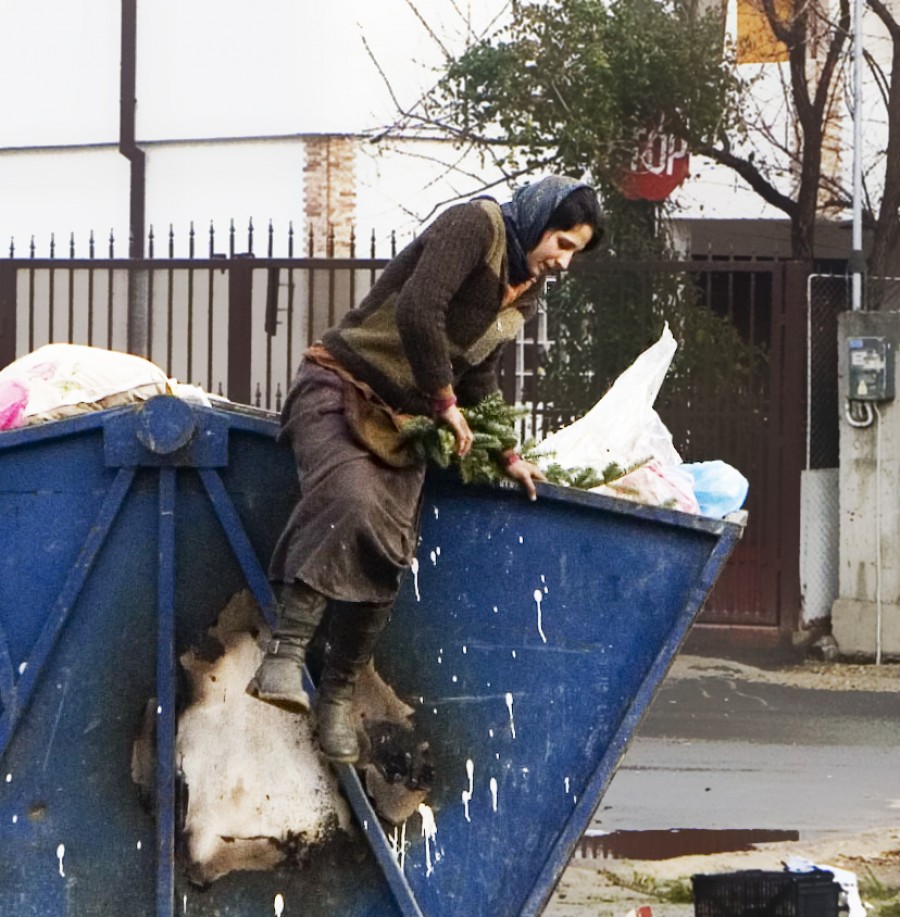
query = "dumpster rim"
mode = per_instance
[{"x": 245, "y": 421}]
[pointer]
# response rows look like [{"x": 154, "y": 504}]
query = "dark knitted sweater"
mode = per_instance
[{"x": 433, "y": 317}]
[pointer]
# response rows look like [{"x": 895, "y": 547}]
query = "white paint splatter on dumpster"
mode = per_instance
[
  {"x": 279, "y": 905},
  {"x": 60, "y": 855},
  {"x": 414, "y": 567},
  {"x": 429, "y": 832},
  {"x": 397, "y": 841},
  {"x": 540, "y": 624},
  {"x": 509, "y": 706},
  {"x": 467, "y": 794},
  {"x": 494, "y": 793}
]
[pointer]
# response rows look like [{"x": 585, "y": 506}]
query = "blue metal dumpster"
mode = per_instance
[{"x": 530, "y": 640}]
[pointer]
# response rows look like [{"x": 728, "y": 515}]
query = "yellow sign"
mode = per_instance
[{"x": 756, "y": 42}]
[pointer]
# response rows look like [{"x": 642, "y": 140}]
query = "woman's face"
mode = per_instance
[{"x": 555, "y": 249}]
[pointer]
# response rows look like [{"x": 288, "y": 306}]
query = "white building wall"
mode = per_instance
[{"x": 226, "y": 94}]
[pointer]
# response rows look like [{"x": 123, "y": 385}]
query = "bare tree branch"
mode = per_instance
[
  {"x": 428, "y": 29},
  {"x": 753, "y": 177}
]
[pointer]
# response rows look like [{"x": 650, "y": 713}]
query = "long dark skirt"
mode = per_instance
[{"x": 353, "y": 532}]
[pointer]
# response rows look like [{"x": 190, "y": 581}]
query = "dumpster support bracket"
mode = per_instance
[
  {"x": 16, "y": 698},
  {"x": 259, "y": 586}
]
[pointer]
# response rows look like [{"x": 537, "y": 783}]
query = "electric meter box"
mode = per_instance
[{"x": 870, "y": 369}]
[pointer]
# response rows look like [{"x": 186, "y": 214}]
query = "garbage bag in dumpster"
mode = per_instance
[{"x": 529, "y": 641}]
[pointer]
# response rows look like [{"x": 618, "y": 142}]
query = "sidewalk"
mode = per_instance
[{"x": 813, "y": 749}]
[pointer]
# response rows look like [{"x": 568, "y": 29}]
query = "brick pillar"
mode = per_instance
[{"x": 330, "y": 192}]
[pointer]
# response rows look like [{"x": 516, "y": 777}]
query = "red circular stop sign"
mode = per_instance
[{"x": 658, "y": 168}]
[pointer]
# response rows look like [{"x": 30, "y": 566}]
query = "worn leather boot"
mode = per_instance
[
  {"x": 353, "y": 634},
  {"x": 279, "y": 678}
]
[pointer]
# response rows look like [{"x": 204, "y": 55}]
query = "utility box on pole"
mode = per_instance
[{"x": 866, "y": 616}]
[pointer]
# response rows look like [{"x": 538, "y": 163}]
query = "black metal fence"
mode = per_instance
[{"x": 236, "y": 326}]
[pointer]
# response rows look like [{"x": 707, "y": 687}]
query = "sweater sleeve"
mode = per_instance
[
  {"x": 456, "y": 244},
  {"x": 480, "y": 381}
]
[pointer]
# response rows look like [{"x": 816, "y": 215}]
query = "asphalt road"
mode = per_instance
[{"x": 714, "y": 753}]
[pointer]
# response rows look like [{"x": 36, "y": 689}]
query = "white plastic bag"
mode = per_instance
[
  {"x": 657, "y": 485},
  {"x": 65, "y": 379},
  {"x": 622, "y": 427}
]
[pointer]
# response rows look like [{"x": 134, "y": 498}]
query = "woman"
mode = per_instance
[{"x": 426, "y": 340}]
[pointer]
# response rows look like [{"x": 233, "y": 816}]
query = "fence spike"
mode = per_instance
[
  {"x": 91, "y": 244},
  {"x": 258, "y": 396},
  {"x": 191, "y": 238},
  {"x": 310, "y": 240},
  {"x": 250, "y": 237},
  {"x": 171, "y": 241},
  {"x": 393, "y": 243},
  {"x": 372, "y": 245},
  {"x": 151, "y": 238},
  {"x": 353, "y": 241},
  {"x": 271, "y": 238},
  {"x": 31, "y": 247},
  {"x": 52, "y": 245},
  {"x": 231, "y": 238},
  {"x": 71, "y": 244},
  {"x": 12, "y": 247},
  {"x": 291, "y": 239},
  {"x": 212, "y": 239},
  {"x": 329, "y": 242},
  {"x": 278, "y": 397},
  {"x": 112, "y": 244}
]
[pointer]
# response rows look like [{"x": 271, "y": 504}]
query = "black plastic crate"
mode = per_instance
[{"x": 756, "y": 893}]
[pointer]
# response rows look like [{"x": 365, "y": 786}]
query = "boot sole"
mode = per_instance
[{"x": 284, "y": 702}]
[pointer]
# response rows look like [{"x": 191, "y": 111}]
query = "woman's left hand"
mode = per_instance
[{"x": 526, "y": 474}]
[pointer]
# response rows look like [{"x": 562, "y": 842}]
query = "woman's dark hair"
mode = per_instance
[{"x": 579, "y": 207}]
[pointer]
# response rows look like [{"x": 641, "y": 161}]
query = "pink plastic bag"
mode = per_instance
[{"x": 13, "y": 401}]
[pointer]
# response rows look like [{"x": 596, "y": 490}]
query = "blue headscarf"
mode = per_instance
[{"x": 526, "y": 216}]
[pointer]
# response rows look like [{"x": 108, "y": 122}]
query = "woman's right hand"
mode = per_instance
[{"x": 453, "y": 418}]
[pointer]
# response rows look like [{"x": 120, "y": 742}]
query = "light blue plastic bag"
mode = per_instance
[{"x": 719, "y": 487}]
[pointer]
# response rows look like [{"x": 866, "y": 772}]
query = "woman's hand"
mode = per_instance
[
  {"x": 525, "y": 473},
  {"x": 453, "y": 418}
]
